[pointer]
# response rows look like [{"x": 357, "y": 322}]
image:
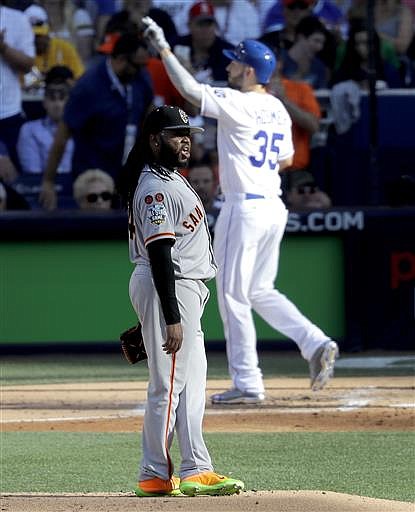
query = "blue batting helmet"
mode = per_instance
[{"x": 257, "y": 55}]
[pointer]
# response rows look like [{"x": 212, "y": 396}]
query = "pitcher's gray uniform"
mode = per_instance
[{"x": 165, "y": 206}]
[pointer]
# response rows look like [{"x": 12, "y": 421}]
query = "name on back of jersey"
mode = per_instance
[
  {"x": 264, "y": 116},
  {"x": 193, "y": 219}
]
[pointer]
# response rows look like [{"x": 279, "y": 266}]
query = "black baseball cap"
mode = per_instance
[
  {"x": 168, "y": 117},
  {"x": 58, "y": 74}
]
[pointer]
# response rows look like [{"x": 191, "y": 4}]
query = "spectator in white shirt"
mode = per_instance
[
  {"x": 36, "y": 137},
  {"x": 17, "y": 51}
]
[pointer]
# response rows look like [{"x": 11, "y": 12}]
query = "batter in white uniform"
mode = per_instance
[
  {"x": 170, "y": 247},
  {"x": 254, "y": 143}
]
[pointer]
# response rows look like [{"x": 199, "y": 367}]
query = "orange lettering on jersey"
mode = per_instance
[
  {"x": 199, "y": 212},
  {"x": 195, "y": 216},
  {"x": 194, "y": 219},
  {"x": 188, "y": 226}
]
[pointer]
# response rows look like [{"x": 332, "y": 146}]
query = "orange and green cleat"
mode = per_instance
[
  {"x": 210, "y": 484},
  {"x": 157, "y": 487}
]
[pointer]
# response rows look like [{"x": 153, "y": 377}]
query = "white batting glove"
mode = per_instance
[{"x": 154, "y": 34}]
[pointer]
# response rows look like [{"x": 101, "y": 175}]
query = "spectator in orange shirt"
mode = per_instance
[
  {"x": 302, "y": 105},
  {"x": 164, "y": 91}
]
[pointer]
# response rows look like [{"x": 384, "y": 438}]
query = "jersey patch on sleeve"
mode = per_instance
[{"x": 157, "y": 214}]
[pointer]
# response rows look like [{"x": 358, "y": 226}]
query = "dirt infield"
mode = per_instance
[{"x": 348, "y": 404}]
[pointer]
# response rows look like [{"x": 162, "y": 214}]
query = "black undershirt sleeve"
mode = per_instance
[{"x": 162, "y": 269}]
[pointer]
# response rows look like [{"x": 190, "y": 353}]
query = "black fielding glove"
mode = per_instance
[{"x": 132, "y": 344}]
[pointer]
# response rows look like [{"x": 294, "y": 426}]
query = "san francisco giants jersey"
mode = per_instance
[
  {"x": 254, "y": 131},
  {"x": 166, "y": 206}
]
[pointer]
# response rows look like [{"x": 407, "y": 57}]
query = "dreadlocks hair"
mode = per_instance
[{"x": 139, "y": 156}]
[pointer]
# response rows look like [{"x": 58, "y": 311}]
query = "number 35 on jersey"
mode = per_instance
[{"x": 268, "y": 149}]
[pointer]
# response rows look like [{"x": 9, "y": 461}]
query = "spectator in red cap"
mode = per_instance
[
  {"x": 201, "y": 50},
  {"x": 202, "y": 10}
]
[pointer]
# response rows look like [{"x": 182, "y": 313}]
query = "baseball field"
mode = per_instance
[{"x": 71, "y": 437}]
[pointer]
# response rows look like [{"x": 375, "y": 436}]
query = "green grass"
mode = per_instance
[
  {"x": 375, "y": 464},
  {"x": 379, "y": 465},
  {"x": 70, "y": 367}
]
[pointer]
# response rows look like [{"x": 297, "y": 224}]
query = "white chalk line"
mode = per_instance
[
  {"x": 352, "y": 406},
  {"x": 355, "y": 399}
]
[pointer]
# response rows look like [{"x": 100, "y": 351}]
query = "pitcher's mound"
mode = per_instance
[{"x": 251, "y": 501}]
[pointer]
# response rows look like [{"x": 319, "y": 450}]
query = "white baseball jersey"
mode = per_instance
[
  {"x": 168, "y": 207},
  {"x": 254, "y": 131}
]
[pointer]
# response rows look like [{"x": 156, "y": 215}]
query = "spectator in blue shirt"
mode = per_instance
[
  {"x": 300, "y": 62},
  {"x": 36, "y": 137},
  {"x": 103, "y": 114}
]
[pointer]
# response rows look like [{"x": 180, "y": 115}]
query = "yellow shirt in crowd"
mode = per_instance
[{"x": 60, "y": 53}]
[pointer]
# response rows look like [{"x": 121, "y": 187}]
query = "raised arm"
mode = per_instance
[
  {"x": 48, "y": 194},
  {"x": 184, "y": 82},
  {"x": 18, "y": 60}
]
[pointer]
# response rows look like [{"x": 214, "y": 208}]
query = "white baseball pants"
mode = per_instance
[{"x": 247, "y": 240}]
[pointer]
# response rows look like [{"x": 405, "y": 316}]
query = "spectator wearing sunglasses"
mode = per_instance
[
  {"x": 94, "y": 190},
  {"x": 36, "y": 137},
  {"x": 303, "y": 192}
]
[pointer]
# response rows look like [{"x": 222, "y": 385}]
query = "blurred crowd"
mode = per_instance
[{"x": 78, "y": 78}]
